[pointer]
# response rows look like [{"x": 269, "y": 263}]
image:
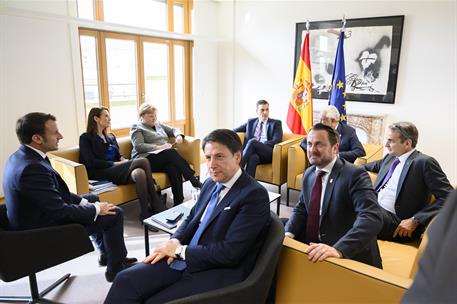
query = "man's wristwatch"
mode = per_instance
[
  {"x": 178, "y": 252},
  {"x": 415, "y": 220}
]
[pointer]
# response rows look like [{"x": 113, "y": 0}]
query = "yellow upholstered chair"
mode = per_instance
[
  {"x": 276, "y": 172},
  {"x": 298, "y": 162},
  {"x": 343, "y": 280},
  {"x": 373, "y": 152},
  {"x": 296, "y": 166},
  {"x": 66, "y": 162}
]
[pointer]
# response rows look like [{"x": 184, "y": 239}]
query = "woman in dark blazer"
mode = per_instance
[
  {"x": 99, "y": 152},
  {"x": 150, "y": 139}
]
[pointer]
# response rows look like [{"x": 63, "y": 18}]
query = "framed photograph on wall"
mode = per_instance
[{"x": 371, "y": 53}]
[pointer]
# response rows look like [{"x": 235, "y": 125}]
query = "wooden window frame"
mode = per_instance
[{"x": 186, "y": 125}]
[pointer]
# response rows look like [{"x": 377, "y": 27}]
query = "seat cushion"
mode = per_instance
[{"x": 398, "y": 258}]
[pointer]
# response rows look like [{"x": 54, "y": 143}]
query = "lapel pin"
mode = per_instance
[{"x": 331, "y": 180}]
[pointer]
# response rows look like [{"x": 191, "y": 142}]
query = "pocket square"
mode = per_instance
[{"x": 227, "y": 208}]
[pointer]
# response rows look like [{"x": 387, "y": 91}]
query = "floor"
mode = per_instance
[{"x": 87, "y": 284}]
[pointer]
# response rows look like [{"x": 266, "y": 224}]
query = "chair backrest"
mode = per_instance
[{"x": 255, "y": 288}]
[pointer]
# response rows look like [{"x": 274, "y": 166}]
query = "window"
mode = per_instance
[
  {"x": 86, "y": 9},
  {"x": 150, "y": 14},
  {"x": 163, "y": 15},
  {"x": 121, "y": 71},
  {"x": 89, "y": 63}
]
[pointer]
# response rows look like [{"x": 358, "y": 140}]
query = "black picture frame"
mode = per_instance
[{"x": 371, "y": 51}]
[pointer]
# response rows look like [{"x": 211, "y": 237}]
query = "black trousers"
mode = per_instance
[
  {"x": 390, "y": 224},
  {"x": 176, "y": 167},
  {"x": 108, "y": 233},
  {"x": 255, "y": 153}
]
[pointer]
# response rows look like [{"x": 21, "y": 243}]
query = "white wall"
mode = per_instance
[
  {"x": 426, "y": 88},
  {"x": 243, "y": 51}
]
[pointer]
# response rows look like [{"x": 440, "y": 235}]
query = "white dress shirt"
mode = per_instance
[
  {"x": 228, "y": 185},
  {"x": 325, "y": 178},
  {"x": 388, "y": 194}
]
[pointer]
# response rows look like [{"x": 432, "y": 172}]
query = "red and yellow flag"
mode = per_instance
[{"x": 300, "y": 114}]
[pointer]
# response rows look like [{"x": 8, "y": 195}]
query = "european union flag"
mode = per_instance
[{"x": 337, "y": 96}]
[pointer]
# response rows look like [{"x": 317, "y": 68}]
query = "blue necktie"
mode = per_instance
[
  {"x": 388, "y": 175},
  {"x": 181, "y": 265}
]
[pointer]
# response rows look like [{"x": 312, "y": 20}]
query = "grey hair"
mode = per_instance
[
  {"x": 407, "y": 130},
  {"x": 331, "y": 112}
]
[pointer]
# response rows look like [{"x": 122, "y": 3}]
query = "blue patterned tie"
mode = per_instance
[{"x": 181, "y": 265}]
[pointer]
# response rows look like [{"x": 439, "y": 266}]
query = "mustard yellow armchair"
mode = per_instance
[
  {"x": 296, "y": 166},
  {"x": 276, "y": 172},
  {"x": 66, "y": 162},
  {"x": 373, "y": 152},
  {"x": 341, "y": 280},
  {"x": 298, "y": 162}
]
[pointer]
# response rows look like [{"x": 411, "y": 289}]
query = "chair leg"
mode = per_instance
[
  {"x": 287, "y": 197},
  {"x": 278, "y": 201},
  {"x": 55, "y": 284},
  {"x": 35, "y": 296}
]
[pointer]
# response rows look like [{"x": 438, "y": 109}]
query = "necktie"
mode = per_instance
[
  {"x": 388, "y": 175},
  {"x": 312, "y": 223},
  {"x": 181, "y": 265},
  {"x": 258, "y": 133}
]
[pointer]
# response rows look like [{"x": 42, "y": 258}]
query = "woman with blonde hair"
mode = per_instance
[
  {"x": 149, "y": 135},
  {"x": 99, "y": 152}
]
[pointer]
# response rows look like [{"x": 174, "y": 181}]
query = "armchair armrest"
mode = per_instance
[
  {"x": 279, "y": 160},
  {"x": 373, "y": 152},
  {"x": 296, "y": 164},
  {"x": 333, "y": 280},
  {"x": 190, "y": 151},
  {"x": 73, "y": 173}
]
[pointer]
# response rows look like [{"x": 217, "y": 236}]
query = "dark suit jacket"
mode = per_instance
[
  {"x": 92, "y": 152},
  {"x": 274, "y": 130},
  {"x": 235, "y": 232},
  {"x": 436, "y": 279},
  {"x": 350, "y": 219},
  {"x": 420, "y": 178},
  {"x": 350, "y": 146},
  {"x": 36, "y": 196}
]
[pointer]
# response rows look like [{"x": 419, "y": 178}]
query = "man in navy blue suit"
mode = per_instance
[
  {"x": 36, "y": 196},
  {"x": 216, "y": 245},
  {"x": 405, "y": 183},
  {"x": 350, "y": 146},
  {"x": 337, "y": 213},
  {"x": 262, "y": 133}
]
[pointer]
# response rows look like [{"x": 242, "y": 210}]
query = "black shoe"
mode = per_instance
[
  {"x": 196, "y": 182},
  {"x": 110, "y": 275},
  {"x": 103, "y": 262}
]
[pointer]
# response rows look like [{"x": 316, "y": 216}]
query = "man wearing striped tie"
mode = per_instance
[
  {"x": 406, "y": 180},
  {"x": 262, "y": 133},
  {"x": 216, "y": 245}
]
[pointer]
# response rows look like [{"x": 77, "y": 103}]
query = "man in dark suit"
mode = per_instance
[
  {"x": 337, "y": 213},
  {"x": 36, "y": 196},
  {"x": 216, "y": 245},
  {"x": 350, "y": 146},
  {"x": 436, "y": 279},
  {"x": 262, "y": 133},
  {"x": 406, "y": 180}
]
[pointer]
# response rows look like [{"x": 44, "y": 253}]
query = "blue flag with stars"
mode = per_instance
[{"x": 337, "y": 95}]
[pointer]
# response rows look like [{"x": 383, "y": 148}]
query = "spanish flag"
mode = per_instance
[{"x": 300, "y": 114}]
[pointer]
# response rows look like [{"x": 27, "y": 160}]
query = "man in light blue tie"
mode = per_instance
[
  {"x": 262, "y": 133},
  {"x": 216, "y": 245}
]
